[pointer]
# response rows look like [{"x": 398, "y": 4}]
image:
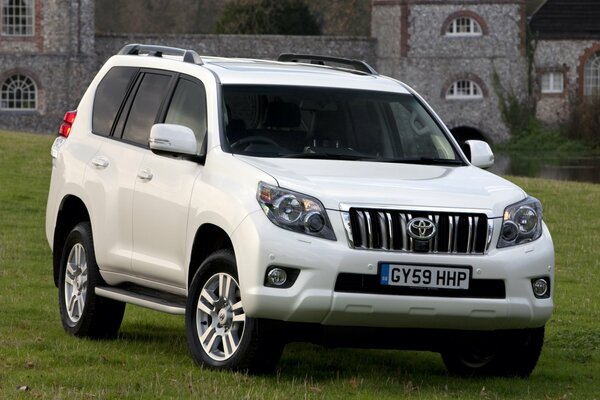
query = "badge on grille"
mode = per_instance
[{"x": 421, "y": 228}]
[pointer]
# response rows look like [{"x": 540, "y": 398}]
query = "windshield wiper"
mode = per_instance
[
  {"x": 326, "y": 156},
  {"x": 423, "y": 161}
]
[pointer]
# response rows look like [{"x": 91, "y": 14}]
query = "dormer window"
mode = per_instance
[
  {"x": 464, "y": 26},
  {"x": 464, "y": 90}
]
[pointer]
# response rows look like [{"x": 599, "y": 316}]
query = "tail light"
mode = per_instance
[{"x": 65, "y": 127}]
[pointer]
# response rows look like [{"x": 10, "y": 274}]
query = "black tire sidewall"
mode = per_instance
[{"x": 81, "y": 234}]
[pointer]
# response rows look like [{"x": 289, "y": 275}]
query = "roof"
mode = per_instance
[{"x": 567, "y": 19}]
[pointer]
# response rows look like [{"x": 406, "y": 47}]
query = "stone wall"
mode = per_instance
[
  {"x": 567, "y": 57},
  {"x": 412, "y": 46},
  {"x": 245, "y": 46}
]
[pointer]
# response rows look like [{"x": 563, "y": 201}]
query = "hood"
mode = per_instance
[{"x": 339, "y": 184}]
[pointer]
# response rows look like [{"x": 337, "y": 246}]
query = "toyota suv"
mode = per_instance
[{"x": 303, "y": 199}]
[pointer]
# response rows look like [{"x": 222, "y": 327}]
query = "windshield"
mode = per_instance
[{"x": 315, "y": 122}]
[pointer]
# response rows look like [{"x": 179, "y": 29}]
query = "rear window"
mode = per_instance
[{"x": 109, "y": 95}]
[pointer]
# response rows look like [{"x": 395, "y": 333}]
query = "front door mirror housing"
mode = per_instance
[
  {"x": 173, "y": 139},
  {"x": 480, "y": 153}
]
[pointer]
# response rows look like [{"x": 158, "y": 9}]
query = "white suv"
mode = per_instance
[{"x": 304, "y": 199}]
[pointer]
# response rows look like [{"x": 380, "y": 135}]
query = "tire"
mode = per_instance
[
  {"x": 219, "y": 334},
  {"x": 508, "y": 353},
  {"x": 82, "y": 312}
]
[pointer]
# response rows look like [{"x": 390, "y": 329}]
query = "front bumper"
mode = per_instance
[{"x": 259, "y": 244}]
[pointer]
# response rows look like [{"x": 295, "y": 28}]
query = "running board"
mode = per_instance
[{"x": 158, "y": 301}]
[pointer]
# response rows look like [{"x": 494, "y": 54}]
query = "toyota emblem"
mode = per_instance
[{"x": 421, "y": 228}]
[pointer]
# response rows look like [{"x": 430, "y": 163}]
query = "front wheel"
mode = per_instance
[
  {"x": 509, "y": 353},
  {"x": 82, "y": 312},
  {"x": 219, "y": 333}
]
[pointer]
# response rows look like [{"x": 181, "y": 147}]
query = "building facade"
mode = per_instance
[{"x": 456, "y": 53}]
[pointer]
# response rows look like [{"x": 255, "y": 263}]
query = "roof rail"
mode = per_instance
[
  {"x": 358, "y": 65},
  {"x": 189, "y": 56}
]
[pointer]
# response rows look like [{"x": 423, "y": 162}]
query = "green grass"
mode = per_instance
[{"x": 150, "y": 358}]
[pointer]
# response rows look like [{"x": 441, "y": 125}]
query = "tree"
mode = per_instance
[{"x": 267, "y": 17}]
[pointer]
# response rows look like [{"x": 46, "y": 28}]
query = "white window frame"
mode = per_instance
[
  {"x": 455, "y": 27},
  {"x": 21, "y": 91},
  {"x": 25, "y": 26},
  {"x": 553, "y": 82},
  {"x": 591, "y": 76},
  {"x": 464, "y": 89}
]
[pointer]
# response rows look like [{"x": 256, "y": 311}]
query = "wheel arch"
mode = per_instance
[
  {"x": 208, "y": 239},
  {"x": 72, "y": 211}
]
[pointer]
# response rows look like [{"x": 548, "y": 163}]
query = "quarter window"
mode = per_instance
[
  {"x": 18, "y": 93},
  {"x": 464, "y": 89},
  {"x": 552, "y": 82},
  {"x": 109, "y": 96},
  {"x": 592, "y": 76},
  {"x": 464, "y": 26},
  {"x": 17, "y": 17}
]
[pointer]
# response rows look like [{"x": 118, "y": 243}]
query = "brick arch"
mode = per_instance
[
  {"x": 467, "y": 76},
  {"x": 583, "y": 59},
  {"x": 465, "y": 13}
]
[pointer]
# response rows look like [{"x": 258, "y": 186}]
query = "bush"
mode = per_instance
[
  {"x": 584, "y": 121},
  {"x": 267, "y": 17}
]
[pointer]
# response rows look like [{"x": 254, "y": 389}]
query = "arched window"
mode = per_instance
[
  {"x": 18, "y": 92},
  {"x": 591, "y": 86},
  {"x": 464, "y": 90},
  {"x": 464, "y": 26},
  {"x": 17, "y": 17}
]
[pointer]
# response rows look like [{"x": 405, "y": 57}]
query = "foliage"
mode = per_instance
[
  {"x": 517, "y": 112},
  {"x": 150, "y": 359},
  {"x": 267, "y": 17},
  {"x": 584, "y": 121}
]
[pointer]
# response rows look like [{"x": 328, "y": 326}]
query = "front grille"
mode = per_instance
[
  {"x": 370, "y": 284},
  {"x": 457, "y": 233}
]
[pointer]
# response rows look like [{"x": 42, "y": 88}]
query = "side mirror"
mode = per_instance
[
  {"x": 481, "y": 154},
  {"x": 175, "y": 139}
]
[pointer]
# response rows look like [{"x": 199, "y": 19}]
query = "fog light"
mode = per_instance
[
  {"x": 277, "y": 277},
  {"x": 540, "y": 287}
]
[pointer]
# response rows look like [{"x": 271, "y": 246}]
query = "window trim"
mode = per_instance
[
  {"x": 473, "y": 87},
  {"x": 30, "y": 28},
  {"x": 475, "y": 19},
  {"x": 552, "y": 82},
  {"x": 25, "y": 77},
  {"x": 592, "y": 73}
]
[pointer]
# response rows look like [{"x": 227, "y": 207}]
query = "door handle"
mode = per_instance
[
  {"x": 100, "y": 162},
  {"x": 145, "y": 175}
]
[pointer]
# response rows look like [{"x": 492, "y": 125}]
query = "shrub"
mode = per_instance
[
  {"x": 264, "y": 17},
  {"x": 584, "y": 121}
]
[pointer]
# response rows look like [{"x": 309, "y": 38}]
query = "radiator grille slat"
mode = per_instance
[{"x": 457, "y": 233}]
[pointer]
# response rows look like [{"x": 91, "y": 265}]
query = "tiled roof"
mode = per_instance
[{"x": 567, "y": 19}]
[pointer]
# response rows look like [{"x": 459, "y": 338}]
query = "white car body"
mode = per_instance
[{"x": 145, "y": 211}]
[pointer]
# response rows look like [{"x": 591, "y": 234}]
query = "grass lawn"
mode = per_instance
[{"x": 150, "y": 358}]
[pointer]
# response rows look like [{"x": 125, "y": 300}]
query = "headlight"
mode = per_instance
[
  {"x": 294, "y": 211},
  {"x": 522, "y": 223}
]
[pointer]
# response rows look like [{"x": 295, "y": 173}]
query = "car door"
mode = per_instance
[{"x": 163, "y": 190}]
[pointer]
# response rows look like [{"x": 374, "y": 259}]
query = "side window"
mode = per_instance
[
  {"x": 109, "y": 96},
  {"x": 148, "y": 99},
  {"x": 188, "y": 108}
]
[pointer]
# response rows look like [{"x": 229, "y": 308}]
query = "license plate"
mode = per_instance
[{"x": 420, "y": 276}]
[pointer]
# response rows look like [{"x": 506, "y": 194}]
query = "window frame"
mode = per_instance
[
  {"x": 591, "y": 75},
  {"x": 552, "y": 82},
  {"x": 5, "y": 91},
  {"x": 475, "y": 28},
  {"x": 473, "y": 87},
  {"x": 30, "y": 17}
]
